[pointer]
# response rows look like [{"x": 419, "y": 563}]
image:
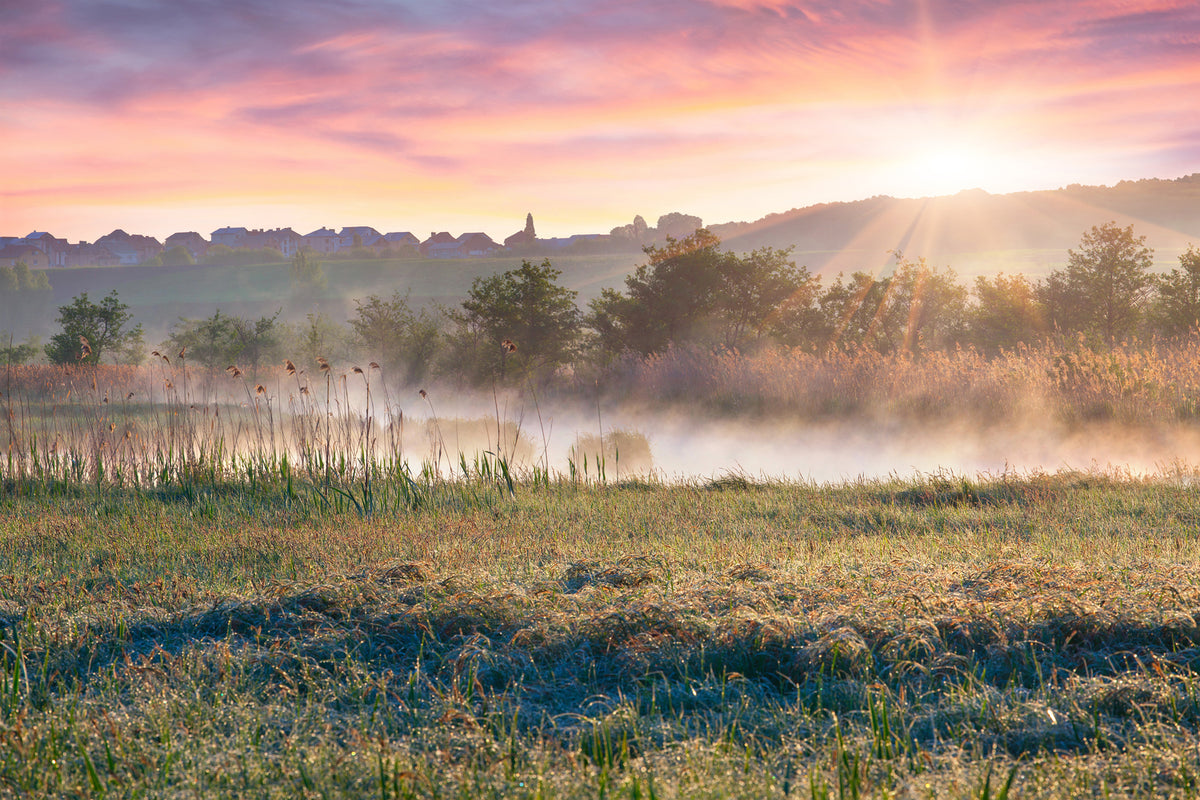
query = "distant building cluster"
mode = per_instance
[{"x": 41, "y": 250}]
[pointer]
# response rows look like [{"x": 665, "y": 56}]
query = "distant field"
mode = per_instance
[{"x": 158, "y": 296}]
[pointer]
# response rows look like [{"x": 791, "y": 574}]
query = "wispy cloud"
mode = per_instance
[{"x": 528, "y": 95}]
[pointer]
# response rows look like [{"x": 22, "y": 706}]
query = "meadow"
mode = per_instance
[{"x": 206, "y": 592}]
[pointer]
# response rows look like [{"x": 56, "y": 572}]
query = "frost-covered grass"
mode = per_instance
[{"x": 917, "y": 638}]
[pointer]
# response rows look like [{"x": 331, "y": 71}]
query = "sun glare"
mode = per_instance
[{"x": 950, "y": 168}]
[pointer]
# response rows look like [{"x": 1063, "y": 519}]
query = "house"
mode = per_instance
[
  {"x": 520, "y": 239},
  {"x": 191, "y": 241},
  {"x": 131, "y": 249},
  {"x": 92, "y": 255},
  {"x": 230, "y": 237},
  {"x": 285, "y": 240},
  {"x": 323, "y": 240},
  {"x": 437, "y": 240},
  {"x": 474, "y": 245},
  {"x": 400, "y": 243},
  {"x": 359, "y": 236},
  {"x": 33, "y": 257},
  {"x": 55, "y": 249}
]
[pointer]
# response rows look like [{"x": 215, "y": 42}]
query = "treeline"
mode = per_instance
[{"x": 523, "y": 325}]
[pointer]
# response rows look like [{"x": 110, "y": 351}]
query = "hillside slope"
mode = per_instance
[{"x": 975, "y": 232}]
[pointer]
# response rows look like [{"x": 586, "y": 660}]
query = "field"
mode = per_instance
[
  {"x": 926, "y": 638},
  {"x": 222, "y": 597}
]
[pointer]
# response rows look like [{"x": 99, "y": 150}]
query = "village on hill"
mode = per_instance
[{"x": 42, "y": 250}]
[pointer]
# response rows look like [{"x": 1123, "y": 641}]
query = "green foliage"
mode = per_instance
[
  {"x": 221, "y": 340},
  {"x": 14, "y": 354},
  {"x": 525, "y": 307},
  {"x": 177, "y": 256},
  {"x": 319, "y": 336},
  {"x": 692, "y": 291},
  {"x": 89, "y": 330},
  {"x": 1105, "y": 287},
  {"x": 1176, "y": 311},
  {"x": 1006, "y": 314},
  {"x": 308, "y": 282},
  {"x": 860, "y": 314},
  {"x": 932, "y": 303},
  {"x": 404, "y": 342}
]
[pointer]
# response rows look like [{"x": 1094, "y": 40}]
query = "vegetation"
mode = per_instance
[
  {"x": 25, "y": 298},
  {"x": 276, "y": 588},
  {"x": 89, "y": 330},
  {"x": 935, "y": 637}
]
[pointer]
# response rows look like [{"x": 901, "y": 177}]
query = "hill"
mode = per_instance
[{"x": 975, "y": 232}]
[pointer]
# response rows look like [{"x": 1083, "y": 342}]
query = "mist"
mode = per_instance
[{"x": 687, "y": 447}]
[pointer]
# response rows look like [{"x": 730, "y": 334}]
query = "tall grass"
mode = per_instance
[{"x": 1133, "y": 384}]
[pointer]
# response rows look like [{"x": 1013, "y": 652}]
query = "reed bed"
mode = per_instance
[{"x": 1133, "y": 384}]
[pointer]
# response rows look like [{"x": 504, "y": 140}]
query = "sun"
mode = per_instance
[{"x": 947, "y": 168}]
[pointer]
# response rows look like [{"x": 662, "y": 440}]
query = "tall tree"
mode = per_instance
[
  {"x": 1107, "y": 281},
  {"x": 516, "y": 323}
]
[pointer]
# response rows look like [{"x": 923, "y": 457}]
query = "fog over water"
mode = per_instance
[{"x": 685, "y": 447}]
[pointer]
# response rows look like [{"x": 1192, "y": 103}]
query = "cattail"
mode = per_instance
[
  {"x": 374, "y": 365},
  {"x": 509, "y": 346},
  {"x": 129, "y": 396},
  {"x": 303, "y": 390},
  {"x": 260, "y": 389},
  {"x": 182, "y": 351},
  {"x": 357, "y": 371},
  {"x": 422, "y": 393},
  {"x": 291, "y": 368}
]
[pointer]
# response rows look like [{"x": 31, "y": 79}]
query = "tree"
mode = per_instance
[
  {"x": 677, "y": 226},
  {"x": 859, "y": 313},
  {"x": 405, "y": 342},
  {"x": 515, "y": 323},
  {"x": 1107, "y": 281},
  {"x": 670, "y": 299},
  {"x": 1005, "y": 314},
  {"x": 693, "y": 291},
  {"x": 89, "y": 330},
  {"x": 1176, "y": 311},
  {"x": 307, "y": 277},
  {"x": 177, "y": 256},
  {"x": 212, "y": 343},
  {"x": 932, "y": 304},
  {"x": 258, "y": 340},
  {"x": 14, "y": 354},
  {"x": 754, "y": 289}
]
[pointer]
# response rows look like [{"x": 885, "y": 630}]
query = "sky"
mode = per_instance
[{"x": 461, "y": 115}]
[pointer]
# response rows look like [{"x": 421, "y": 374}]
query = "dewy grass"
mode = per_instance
[{"x": 925, "y": 638}]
